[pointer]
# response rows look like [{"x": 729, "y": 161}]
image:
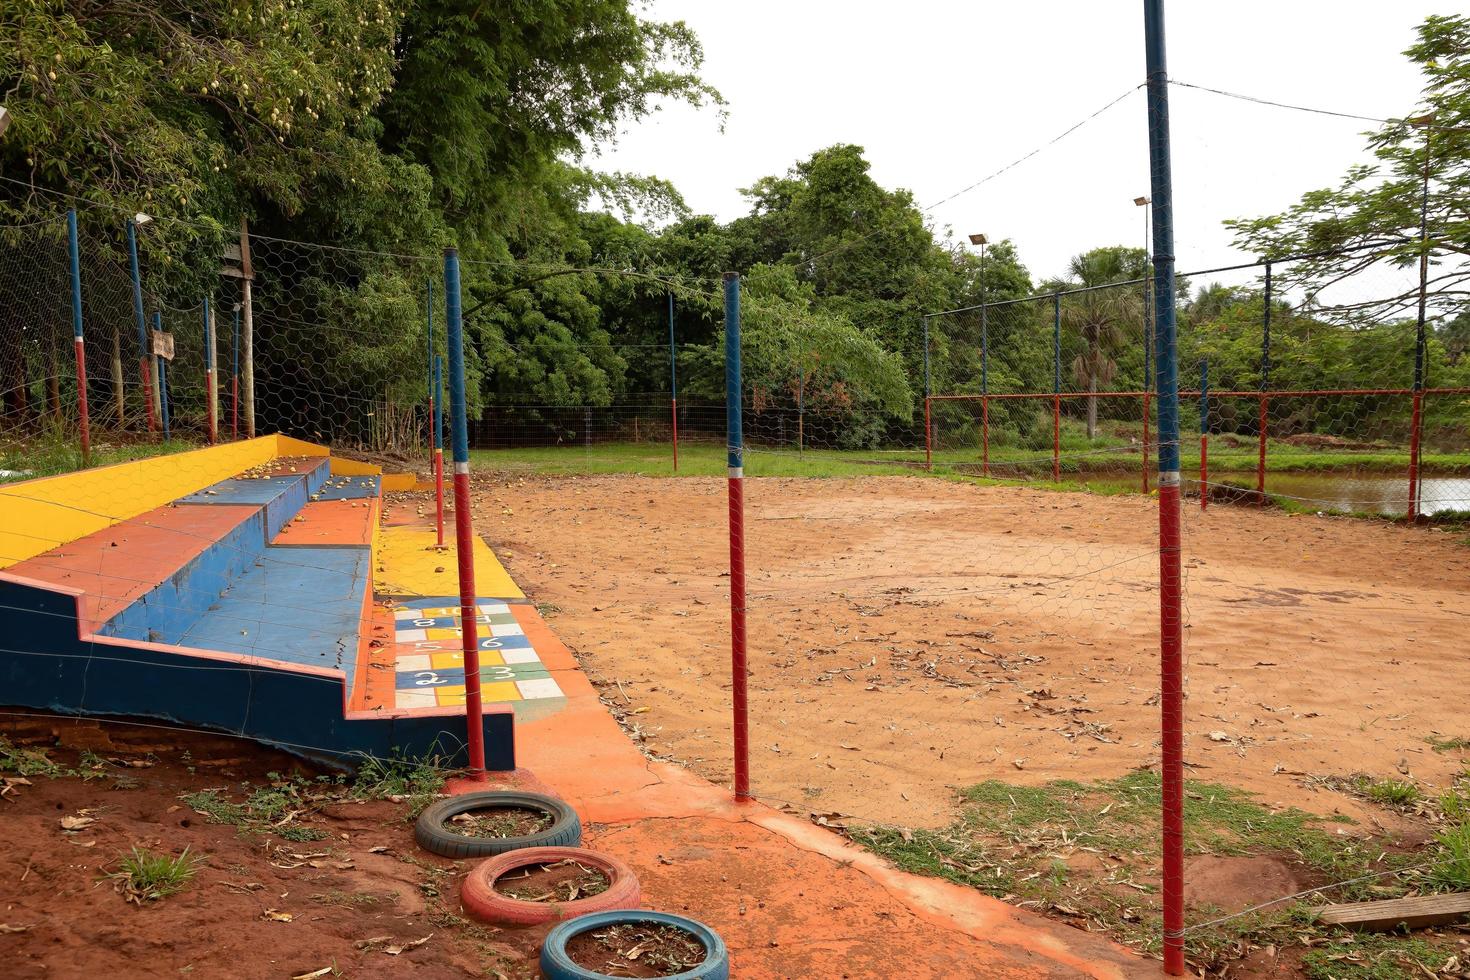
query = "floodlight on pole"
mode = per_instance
[
  {"x": 140, "y": 219},
  {"x": 4, "y": 120},
  {"x": 978, "y": 240}
]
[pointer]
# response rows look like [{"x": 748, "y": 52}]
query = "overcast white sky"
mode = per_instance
[{"x": 942, "y": 93}]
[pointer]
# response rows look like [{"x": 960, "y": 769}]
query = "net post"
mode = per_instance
[
  {"x": 735, "y": 479},
  {"x": 463, "y": 521},
  {"x": 438, "y": 422},
  {"x": 78, "y": 345},
  {"x": 143, "y": 368},
  {"x": 673, "y": 385},
  {"x": 235, "y": 377},
  {"x": 1171, "y": 631},
  {"x": 928, "y": 426},
  {"x": 1204, "y": 435},
  {"x": 1056, "y": 388},
  {"x": 1416, "y": 420},
  {"x": 1265, "y": 384},
  {"x": 247, "y": 328},
  {"x": 430, "y": 378},
  {"x": 984, "y": 384},
  {"x": 162, "y": 378},
  {"x": 209, "y": 381}
]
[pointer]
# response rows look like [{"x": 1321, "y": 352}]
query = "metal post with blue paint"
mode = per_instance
[
  {"x": 235, "y": 378},
  {"x": 1265, "y": 384},
  {"x": 162, "y": 378},
  {"x": 735, "y": 481},
  {"x": 143, "y": 368},
  {"x": 673, "y": 384},
  {"x": 209, "y": 383},
  {"x": 438, "y": 423},
  {"x": 78, "y": 344},
  {"x": 429, "y": 346},
  {"x": 1171, "y": 617},
  {"x": 464, "y": 535},
  {"x": 984, "y": 375},
  {"x": 928, "y": 424},
  {"x": 1056, "y": 387},
  {"x": 1204, "y": 435}
]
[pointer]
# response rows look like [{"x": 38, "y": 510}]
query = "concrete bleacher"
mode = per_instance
[{"x": 244, "y": 603}]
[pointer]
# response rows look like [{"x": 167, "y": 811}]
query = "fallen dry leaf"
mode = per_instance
[
  {"x": 404, "y": 947},
  {"x": 313, "y": 974},
  {"x": 275, "y": 915},
  {"x": 76, "y": 823}
]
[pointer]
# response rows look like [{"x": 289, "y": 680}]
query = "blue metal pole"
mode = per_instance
[
  {"x": 209, "y": 388},
  {"x": 141, "y": 320},
  {"x": 928, "y": 424},
  {"x": 235, "y": 377},
  {"x": 735, "y": 445},
  {"x": 1171, "y": 624},
  {"x": 77, "y": 342},
  {"x": 1056, "y": 387},
  {"x": 673, "y": 385},
  {"x": 436, "y": 402},
  {"x": 463, "y": 527},
  {"x": 162, "y": 379}
]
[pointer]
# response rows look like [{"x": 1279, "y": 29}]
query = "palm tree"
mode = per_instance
[{"x": 1098, "y": 316}]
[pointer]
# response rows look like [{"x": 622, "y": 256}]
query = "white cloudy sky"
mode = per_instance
[{"x": 943, "y": 93}]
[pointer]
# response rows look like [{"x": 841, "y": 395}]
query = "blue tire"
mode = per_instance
[{"x": 556, "y": 965}]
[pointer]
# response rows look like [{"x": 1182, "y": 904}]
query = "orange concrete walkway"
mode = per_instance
[{"x": 792, "y": 900}]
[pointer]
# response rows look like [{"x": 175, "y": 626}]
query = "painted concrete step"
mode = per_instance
[
  {"x": 281, "y": 490},
  {"x": 302, "y": 605}
]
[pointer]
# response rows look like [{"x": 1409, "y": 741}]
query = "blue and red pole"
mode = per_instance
[
  {"x": 1204, "y": 435},
  {"x": 1171, "y": 615},
  {"x": 673, "y": 384},
  {"x": 438, "y": 404},
  {"x": 78, "y": 344},
  {"x": 735, "y": 446},
  {"x": 463, "y": 528}
]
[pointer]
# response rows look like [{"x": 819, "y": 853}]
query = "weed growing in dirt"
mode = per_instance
[
  {"x": 147, "y": 877},
  {"x": 267, "y": 809},
  {"x": 1393, "y": 793},
  {"x": 1448, "y": 744},
  {"x": 28, "y": 762},
  {"x": 1354, "y": 956},
  {"x": 418, "y": 781},
  {"x": 1090, "y": 852}
]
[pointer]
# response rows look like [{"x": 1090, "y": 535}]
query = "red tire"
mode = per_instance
[{"x": 481, "y": 900}]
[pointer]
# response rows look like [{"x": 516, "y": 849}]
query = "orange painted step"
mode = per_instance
[
  {"x": 329, "y": 523},
  {"x": 119, "y": 564}
]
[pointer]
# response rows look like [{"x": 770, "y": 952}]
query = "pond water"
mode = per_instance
[{"x": 1360, "y": 492}]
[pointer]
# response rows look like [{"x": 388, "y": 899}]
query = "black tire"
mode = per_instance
[
  {"x": 557, "y": 965},
  {"x": 434, "y": 837}
]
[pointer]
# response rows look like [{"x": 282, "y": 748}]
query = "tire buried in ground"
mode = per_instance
[
  {"x": 482, "y": 901},
  {"x": 434, "y": 832},
  {"x": 556, "y": 964}
]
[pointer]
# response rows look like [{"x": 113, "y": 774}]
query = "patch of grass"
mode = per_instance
[
  {"x": 1090, "y": 852},
  {"x": 29, "y": 762},
  {"x": 417, "y": 780},
  {"x": 266, "y": 809},
  {"x": 54, "y": 453},
  {"x": 1448, "y": 744},
  {"x": 147, "y": 877},
  {"x": 1395, "y": 794},
  {"x": 1368, "y": 956}
]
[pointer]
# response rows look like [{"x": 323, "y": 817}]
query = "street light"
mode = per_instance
[{"x": 140, "y": 219}]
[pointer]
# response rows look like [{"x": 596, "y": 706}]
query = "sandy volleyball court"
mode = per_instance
[{"x": 910, "y": 635}]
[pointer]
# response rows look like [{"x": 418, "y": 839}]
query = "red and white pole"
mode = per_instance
[{"x": 464, "y": 536}]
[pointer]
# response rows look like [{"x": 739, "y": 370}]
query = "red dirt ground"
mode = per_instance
[{"x": 910, "y": 635}]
